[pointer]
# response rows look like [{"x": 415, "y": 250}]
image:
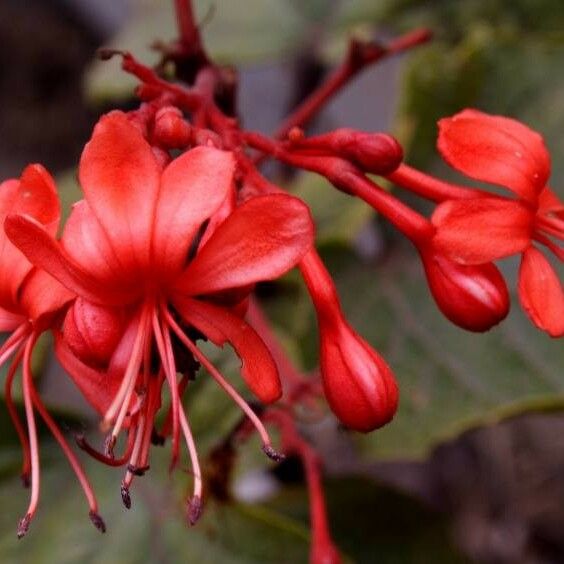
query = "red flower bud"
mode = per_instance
[
  {"x": 378, "y": 153},
  {"x": 92, "y": 332},
  {"x": 358, "y": 384},
  {"x": 473, "y": 297},
  {"x": 171, "y": 130}
]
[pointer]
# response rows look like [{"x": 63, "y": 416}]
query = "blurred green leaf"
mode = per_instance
[
  {"x": 367, "y": 522},
  {"x": 338, "y": 217},
  {"x": 154, "y": 530},
  {"x": 371, "y": 523}
]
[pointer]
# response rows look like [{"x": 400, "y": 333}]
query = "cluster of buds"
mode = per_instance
[{"x": 178, "y": 225}]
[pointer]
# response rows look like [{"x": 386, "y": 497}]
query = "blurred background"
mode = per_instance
[{"x": 472, "y": 468}]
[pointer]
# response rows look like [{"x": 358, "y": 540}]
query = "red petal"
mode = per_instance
[
  {"x": 220, "y": 325},
  {"x": 261, "y": 240},
  {"x": 88, "y": 246},
  {"x": 497, "y": 150},
  {"x": 541, "y": 293},
  {"x": 98, "y": 388},
  {"x": 193, "y": 187},
  {"x": 481, "y": 230},
  {"x": 42, "y": 297},
  {"x": 43, "y": 251},
  {"x": 120, "y": 179},
  {"x": 34, "y": 195}
]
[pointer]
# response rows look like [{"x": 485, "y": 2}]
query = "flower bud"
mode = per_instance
[
  {"x": 93, "y": 332},
  {"x": 358, "y": 384},
  {"x": 473, "y": 297},
  {"x": 378, "y": 153},
  {"x": 171, "y": 130}
]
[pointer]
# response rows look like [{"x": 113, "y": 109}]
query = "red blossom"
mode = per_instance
[
  {"x": 31, "y": 301},
  {"x": 133, "y": 252},
  {"x": 503, "y": 151}
]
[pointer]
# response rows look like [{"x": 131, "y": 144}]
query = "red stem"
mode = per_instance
[
  {"x": 429, "y": 187},
  {"x": 360, "y": 55},
  {"x": 189, "y": 33}
]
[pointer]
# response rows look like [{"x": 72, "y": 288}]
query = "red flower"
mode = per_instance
[
  {"x": 503, "y": 151},
  {"x": 148, "y": 273},
  {"x": 30, "y": 301}
]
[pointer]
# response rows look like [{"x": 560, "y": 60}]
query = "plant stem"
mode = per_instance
[{"x": 359, "y": 56}]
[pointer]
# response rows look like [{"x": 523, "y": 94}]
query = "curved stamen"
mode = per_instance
[
  {"x": 132, "y": 464},
  {"x": 22, "y": 435},
  {"x": 166, "y": 429},
  {"x": 152, "y": 408},
  {"x": 14, "y": 341},
  {"x": 122, "y": 400},
  {"x": 23, "y": 525},
  {"x": 71, "y": 457},
  {"x": 558, "y": 251},
  {"x": 218, "y": 377},
  {"x": 167, "y": 357},
  {"x": 195, "y": 504},
  {"x": 110, "y": 461}
]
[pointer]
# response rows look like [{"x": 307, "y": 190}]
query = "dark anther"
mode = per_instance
[
  {"x": 125, "y": 497},
  {"x": 156, "y": 438},
  {"x": 273, "y": 454},
  {"x": 109, "y": 445},
  {"x": 23, "y": 526},
  {"x": 97, "y": 521},
  {"x": 137, "y": 470},
  {"x": 195, "y": 508}
]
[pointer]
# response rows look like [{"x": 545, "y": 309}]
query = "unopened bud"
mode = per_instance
[
  {"x": 473, "y": 297},
  {"x": 359, "y": 385},
  {"x": 171, "y": 129},
  {"x": 93, "y": 332},
  {"x": 378, "y": 153}
]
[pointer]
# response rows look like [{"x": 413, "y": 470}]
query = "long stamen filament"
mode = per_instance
[
  {"x": 217, "y": 376},
  {"x": 165, "y": 351},
  {"x": 123, "y": 397},
  {"x": 32, "y": 436},
  {"x": 22, "y": 435},
  {"x": 195, "y": 504},
  {"x": 71, "y": 457}
]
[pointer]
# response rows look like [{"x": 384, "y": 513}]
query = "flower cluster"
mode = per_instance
[{"x": 178, "y": 225}]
